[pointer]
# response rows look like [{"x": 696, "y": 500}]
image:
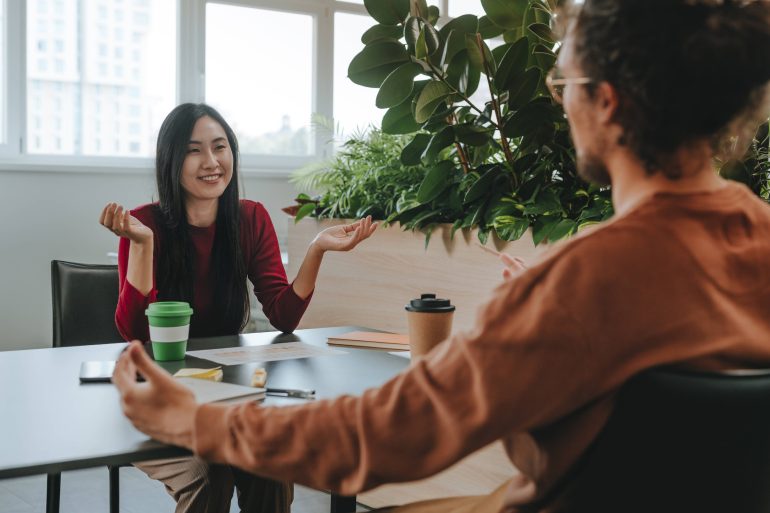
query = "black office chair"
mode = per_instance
[
  {"x": 681, "y": 442},
  {"x": 84, "y": 300}
]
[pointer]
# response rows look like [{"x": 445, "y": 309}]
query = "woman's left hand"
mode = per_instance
[{"x": 346, "y": 236}]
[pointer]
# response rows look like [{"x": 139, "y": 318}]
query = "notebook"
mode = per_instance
[
  {"x": 371, "y": 339},
  {"x": 207, "y": 391}
]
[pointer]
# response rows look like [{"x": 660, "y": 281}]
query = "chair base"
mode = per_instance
[
  {"x": 343, "y": 504},
  {"x": 53, "y": 490}
]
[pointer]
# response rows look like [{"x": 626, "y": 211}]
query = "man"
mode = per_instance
[{"x": 678, "y": 276}]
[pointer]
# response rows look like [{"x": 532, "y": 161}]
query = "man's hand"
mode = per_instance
[
  {"x": 513, "y": 266},
  {"x": 159, "y": 407}
]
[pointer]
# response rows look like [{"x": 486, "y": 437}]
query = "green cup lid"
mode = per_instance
[{"x": 169, "y": 309}]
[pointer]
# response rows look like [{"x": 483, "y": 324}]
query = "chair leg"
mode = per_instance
[
  {"x": 114, "y": 489},
  {"x": 343, "y": 504},
  {"x": 53, "y": 489}
]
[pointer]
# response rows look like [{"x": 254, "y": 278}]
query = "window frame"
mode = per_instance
[{"x": 190, "y": 86}]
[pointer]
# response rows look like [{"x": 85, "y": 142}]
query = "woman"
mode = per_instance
[{"x": 199, "y": 244}]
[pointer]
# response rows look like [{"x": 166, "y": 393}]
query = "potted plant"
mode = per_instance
[
  {"x": 470, "y": 139},
  {"x": 502, "y": 163}
]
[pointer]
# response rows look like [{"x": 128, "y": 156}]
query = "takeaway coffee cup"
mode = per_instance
[
  {"x": 169, "y": 329},
  {"x": 430, "y": 322}
]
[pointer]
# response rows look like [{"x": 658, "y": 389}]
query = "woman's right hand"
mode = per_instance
[{"x": 123, "y": 224}]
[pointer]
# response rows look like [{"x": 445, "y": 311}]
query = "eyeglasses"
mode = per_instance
[{"x": 556, "y": 85}]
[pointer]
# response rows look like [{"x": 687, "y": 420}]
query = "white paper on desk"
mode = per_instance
[{"x": 265, "y": 353}]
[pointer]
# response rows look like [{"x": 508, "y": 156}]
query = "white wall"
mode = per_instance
[{"x": 54, "y": 215}]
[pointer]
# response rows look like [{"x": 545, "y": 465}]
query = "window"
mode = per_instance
[
  {"x": 100, "y": 69},
  {"x": 3, "y": 109},
  {"x": 460, "y": 7},
  {"x": 354, "y": 107},
  {"x": 83, "y": 76},
  {"x": 269, "y": 101}
]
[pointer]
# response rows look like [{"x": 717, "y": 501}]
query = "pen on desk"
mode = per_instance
[{"x": 291, "y": 392}]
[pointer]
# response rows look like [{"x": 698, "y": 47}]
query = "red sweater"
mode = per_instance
[{"x": 262, "y": 257}]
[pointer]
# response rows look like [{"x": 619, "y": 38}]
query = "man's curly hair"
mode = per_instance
[{"x": 684, "y": 70}]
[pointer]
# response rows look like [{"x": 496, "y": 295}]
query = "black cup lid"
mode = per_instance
[{"x": 429, "y": 303}]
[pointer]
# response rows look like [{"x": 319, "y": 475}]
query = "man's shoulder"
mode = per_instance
[{"x": 609, "y": 243}]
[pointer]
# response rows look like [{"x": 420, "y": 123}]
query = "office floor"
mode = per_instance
[{"x": 86, "y": 491}]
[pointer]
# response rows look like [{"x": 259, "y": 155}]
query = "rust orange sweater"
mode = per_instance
[{"x": 682, "y": 279}]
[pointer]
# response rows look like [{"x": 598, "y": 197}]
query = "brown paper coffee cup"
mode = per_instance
[{"x": 430, "y": 322}]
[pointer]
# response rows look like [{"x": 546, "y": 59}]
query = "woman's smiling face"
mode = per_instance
[{"x": 208, "y": 166}]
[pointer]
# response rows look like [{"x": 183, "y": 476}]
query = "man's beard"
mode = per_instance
[{"x": 592, "y": 169}]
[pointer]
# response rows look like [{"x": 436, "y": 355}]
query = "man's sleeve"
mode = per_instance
[{"x": 507, "y": 375}]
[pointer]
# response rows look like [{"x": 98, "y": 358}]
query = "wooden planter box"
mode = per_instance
[{"x": 370, "y": 285}]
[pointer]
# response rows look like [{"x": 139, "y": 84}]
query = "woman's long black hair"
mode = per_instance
[{"x": 176, "y": 263}]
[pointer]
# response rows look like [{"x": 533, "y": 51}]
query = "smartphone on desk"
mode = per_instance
[{"x": 98, "y": 372}]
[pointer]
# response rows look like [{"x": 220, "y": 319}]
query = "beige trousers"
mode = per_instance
[
  {"x": 492, "y": 503},
  {"x": 201, "y": 487}
]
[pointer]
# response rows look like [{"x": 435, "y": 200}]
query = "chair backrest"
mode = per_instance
[
  {"x": 681, "y": 442},
  {"x": 84, "y": 300}
]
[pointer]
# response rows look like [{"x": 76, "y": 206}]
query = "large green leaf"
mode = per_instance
[
  {"x": 380, "y": 32},
  {"x": 499, "y": 52},
  {"x": 542, "y": 31},
  {"x": 546, "y": 203},
  {"x": 462, "y": 75},
  {"x": 511, "y": 36},
  {"x": 465, "y": 24},
  {"x": 544, "y": 57},
  {"x": 427, "y": 42},
  {"x": 543, "y": 228},
  {"x": 375, "y": 62},
  {"x": 438, "y": 142},
  {"x": 399, "y": 120},
  {"x": 412, "y": 28},
  {"x": 438, "y": 178},
  {"x": 562, "y": 229},
  {"x": 412, "y": 152},
  {"x": 513, "y": 64},
  {"x": 507, "y": 14},
  {"x": 433, "y": 14},
  {"x": 431, "y": 96},
  {"x": 482, "y": 186},
  {"x": 455, "y": 43},
  {"x": 523, "y": 88},
  {"x": 487, "y": 29},
  {"x": 387, "y": 12},
  {"x": 398, "y": 86},
  {"x": 530, "y": 118},
  {"x": 304, "y": 211},
  {"x": 510, "y": 228},
  {"x": 472, "y": 135},
  {"x": 475, "y": 54}
]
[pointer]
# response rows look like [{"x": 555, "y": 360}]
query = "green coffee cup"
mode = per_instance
[{"x": 169, "y": 329}]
